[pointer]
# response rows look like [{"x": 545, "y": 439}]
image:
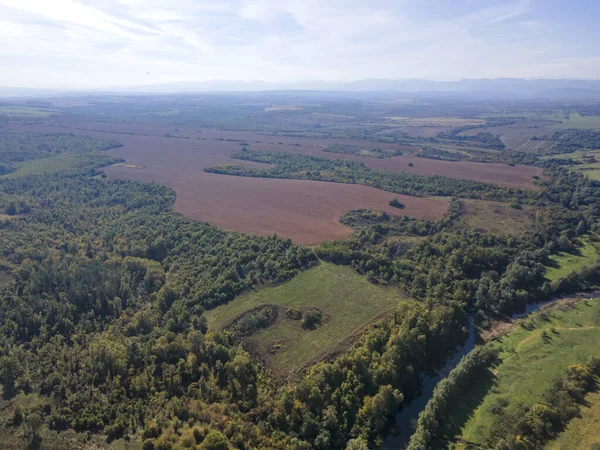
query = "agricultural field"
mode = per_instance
[
  {"x": 578, "y": 121},
  {"x": 590, "y": 170},
  {"x": 348, "y": 303},
  {"x": 498, "y": 217},
  {"x": 26, "y": 111},
  {"x": 308, "y": 212},
  {"x": 216, "y": 146},
  {"x": 588, "y": 162},
  {"x": 518, "y": 136},
  {"x": 284, "y": 270},
  {"x": 586, "y": 253},
  {"x": 531, "y": 356}
]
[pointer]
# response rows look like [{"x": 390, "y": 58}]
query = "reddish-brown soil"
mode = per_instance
[
  {"x": 502, "y": 174},
  {"x": 308, "y": 212}
]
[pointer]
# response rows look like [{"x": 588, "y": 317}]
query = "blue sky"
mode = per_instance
[{"x": 110, "y": 43}]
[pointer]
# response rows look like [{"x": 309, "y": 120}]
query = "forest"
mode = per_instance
[{"x": 104, "y": 338}]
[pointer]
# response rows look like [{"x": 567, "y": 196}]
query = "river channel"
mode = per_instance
[{"x": 406, "y": 420}]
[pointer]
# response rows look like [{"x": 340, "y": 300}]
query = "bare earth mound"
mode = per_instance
[{"x": 308, "y": 212}]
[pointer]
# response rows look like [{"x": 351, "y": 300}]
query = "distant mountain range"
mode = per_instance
[{"x": 486, "y": 87}]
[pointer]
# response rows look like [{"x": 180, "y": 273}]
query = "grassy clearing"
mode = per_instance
[
  {"x": 578, "y": 121},
  {"x": 26, "y": 111},
  {"x": 587, "y": 167},
  {"x": 586, "y": 254},
  {"x": 497, "y": 217},
  {"x": 58, "y": 163},
  {"x": 348, "y": 301},
  {"x": 590, "y": 170},
  {"x": 531, "y": 356}
]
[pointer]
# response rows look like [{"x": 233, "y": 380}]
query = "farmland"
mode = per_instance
[
  {"x": 306, "y": 211},
  {"x": 576, "y": 120},
  {"x": 348, "y": 303},
  {"x": 269, "y": 270},
  {"x": 26, "y": 111}
]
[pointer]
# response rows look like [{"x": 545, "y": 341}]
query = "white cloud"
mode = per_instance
[{"x": 95, "y": 43}]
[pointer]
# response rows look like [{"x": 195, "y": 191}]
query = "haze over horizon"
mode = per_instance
[{"x": 86, "y": 44}]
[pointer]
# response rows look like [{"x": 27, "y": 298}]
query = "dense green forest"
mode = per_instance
[
  {"x": 105, "y": 289},
  {"x": 572, "y": 139}
]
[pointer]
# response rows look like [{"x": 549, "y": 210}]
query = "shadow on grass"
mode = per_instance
[{"x": 465, "y": 407}]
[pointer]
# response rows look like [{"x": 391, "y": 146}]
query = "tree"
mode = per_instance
[
  {"x": 357, "y": 444},
  {"x": 396, "y": 203},
  {"x": 10, "y": 370},
  {"x": 215, "y": 441},
  {"x": 11, "y": 209}
]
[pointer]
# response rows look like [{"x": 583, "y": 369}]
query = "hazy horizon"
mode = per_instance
[{"x": 86, "y": 44}]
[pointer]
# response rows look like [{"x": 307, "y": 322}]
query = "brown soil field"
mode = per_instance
[
  {"x": 308, "y": 212},
  {"x": 502, "y": 174}
]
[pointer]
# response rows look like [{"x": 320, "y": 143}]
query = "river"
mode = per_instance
[{"x": 406, "y": 420}]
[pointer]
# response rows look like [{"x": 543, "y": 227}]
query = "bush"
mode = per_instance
[
  {"x": 293, "y": 314},
  {"x": 11, "y": 209},
  {"x": 515, "y": 204},
  {"x": 312, "y": 319},
  {"x": 396, "y": 203}
]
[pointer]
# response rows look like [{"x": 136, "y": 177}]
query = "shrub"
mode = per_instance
[
  {"x": 312, "y": 319},
  {"x": 293, "y": 314},
  {"x": 396, "y": 203}
]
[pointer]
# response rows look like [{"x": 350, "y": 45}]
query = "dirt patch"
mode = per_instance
[
  {"x": 308, "y": 212},
  {"x": 130, "y": 166},
  {"x": 8, "y": 217}
]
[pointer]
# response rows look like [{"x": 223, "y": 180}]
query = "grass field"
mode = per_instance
[
  {"x": 58, "y": 163},
  {"x": 578, "y": 121},
  {"x": 589, "y": 169},
  {"x": 586, "y": 254},
  {"x": 531, "y": 356},
  {"x": 26, "y": 111},
  {"x": 582, "y": 432},
  {"x": 348, "y": 301},
  {"x": 498, "y": 217}
]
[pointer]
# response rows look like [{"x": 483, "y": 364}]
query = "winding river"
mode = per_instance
[{"x": 406, "y": 419}]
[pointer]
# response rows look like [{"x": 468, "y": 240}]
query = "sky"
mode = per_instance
[{"x": 119, "y": 43}]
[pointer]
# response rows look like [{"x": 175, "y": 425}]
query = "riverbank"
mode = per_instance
[{"x": 502, "y": 326}]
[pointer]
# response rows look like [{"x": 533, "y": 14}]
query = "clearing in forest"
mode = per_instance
[
  {"x": 498, "y": 217},
  {"x": 346, "y": 301},
  {"x": 585, "y": 254}
]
